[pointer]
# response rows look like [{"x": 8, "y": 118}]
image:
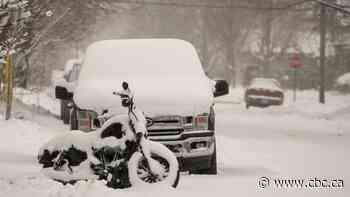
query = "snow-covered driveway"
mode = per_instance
[{"x": 296, "y": 141}]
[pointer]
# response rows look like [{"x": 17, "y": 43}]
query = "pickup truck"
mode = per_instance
[{"x": 169, "y": 85}]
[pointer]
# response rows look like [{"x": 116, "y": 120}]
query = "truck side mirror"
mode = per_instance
[
  {"x": 221, "y": 88},
  {"x": 62, "y": 93}
]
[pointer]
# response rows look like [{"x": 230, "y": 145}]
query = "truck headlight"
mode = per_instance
[{"x": 201, "y": 122}]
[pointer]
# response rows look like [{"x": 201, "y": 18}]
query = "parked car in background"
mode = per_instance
[
  {"x": 171, "y": 88},
  {"x": 68, "y": 80},
  {"x": 263, "y": 92}
]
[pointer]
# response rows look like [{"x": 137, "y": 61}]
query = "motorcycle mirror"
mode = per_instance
[
  {"x": 125, "y": 85},
  {"x": 104, "y": 111}
]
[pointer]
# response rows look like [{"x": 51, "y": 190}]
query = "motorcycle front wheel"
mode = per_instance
[{"x": 167, "y": 167}]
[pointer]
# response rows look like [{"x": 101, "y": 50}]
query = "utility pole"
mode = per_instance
[
  {"x": 266, "y": 41},
  {"x": 323, "y": 24}
]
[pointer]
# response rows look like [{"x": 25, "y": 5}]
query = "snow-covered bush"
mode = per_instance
[
  {"x": 344, "y": 79},
  {"x": 343, "y": 83}
]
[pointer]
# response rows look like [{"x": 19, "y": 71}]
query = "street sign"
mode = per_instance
[{"x": 296, "y": 61}]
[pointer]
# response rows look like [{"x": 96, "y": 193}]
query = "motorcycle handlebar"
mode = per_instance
[{"x": 117, "y": 94}]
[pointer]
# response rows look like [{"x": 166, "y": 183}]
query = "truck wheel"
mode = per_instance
[
  {"x": 62, "y": 109},
  {"x": 212, "y": 170},
  {"x": 73, "y": 120},
  {"x": 65, "y": 113}
]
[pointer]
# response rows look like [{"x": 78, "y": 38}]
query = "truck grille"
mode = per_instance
[{"x": 165, "y": 125}]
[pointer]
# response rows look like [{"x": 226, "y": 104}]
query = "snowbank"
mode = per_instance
[
  {"x": 304, "y": 118},
  {"x": 22, "y": 136},
  {"x": 19, "y": 144},
  {"x": 306, "y": 104}
]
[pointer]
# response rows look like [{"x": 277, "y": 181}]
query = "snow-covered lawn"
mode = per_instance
[{"x": 300, "y": 140}]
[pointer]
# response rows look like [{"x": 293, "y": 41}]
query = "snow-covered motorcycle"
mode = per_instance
[{"x": 119, "y": 153}]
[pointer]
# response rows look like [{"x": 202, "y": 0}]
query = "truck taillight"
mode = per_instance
[
  {"x": 85, "y": 121},
  {"x": 201, "y": 122}
]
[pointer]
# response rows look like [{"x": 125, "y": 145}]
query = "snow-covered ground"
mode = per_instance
[
  {"x": 42, "y": 100},
  {"x": 301, "y": 140}
]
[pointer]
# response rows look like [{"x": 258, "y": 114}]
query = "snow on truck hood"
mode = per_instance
[{"x": 165, "y": 76}]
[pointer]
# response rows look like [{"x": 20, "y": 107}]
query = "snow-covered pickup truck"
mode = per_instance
[{"x": 169, "y": 85}]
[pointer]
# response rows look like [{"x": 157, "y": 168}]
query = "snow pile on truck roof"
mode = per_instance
[
  {"x": 164, "y": 74},
  {"x": 140, "y": 57}
]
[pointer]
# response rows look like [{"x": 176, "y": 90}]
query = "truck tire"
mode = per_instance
[
  {"x": 65, "y": 117},
  {"x": 212, "y": 170},
  {"x": 61, "y": 109},
  {"x": 73, "y": 120}
]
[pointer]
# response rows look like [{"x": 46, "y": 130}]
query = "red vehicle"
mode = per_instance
[{"x": 263, "y": 92}]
